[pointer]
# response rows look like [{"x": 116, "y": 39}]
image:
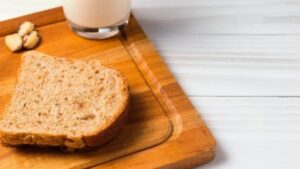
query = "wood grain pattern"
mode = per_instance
[{"x": 154, "y": 91}]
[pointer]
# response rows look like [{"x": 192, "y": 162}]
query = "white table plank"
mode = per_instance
[
  {"x": 253, "y": 132},
  {"x": 194, "y": 17},
  {"x": 227, "y": 48},
  {"x": 250, "y": 114},
  {"x": 243, "y": 65}
]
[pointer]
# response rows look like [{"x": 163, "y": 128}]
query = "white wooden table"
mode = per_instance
[{"x": 238, "y": 61}]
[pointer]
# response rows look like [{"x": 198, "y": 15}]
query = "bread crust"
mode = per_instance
[
  {"x": 108, "y": 133},
  {"x": 83, "y": 142}
]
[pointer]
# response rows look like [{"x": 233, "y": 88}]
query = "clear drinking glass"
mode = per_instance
[{"x": 97, "y": 19}]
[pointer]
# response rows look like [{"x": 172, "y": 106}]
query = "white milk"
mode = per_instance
[{"x": 96, "y": 13}]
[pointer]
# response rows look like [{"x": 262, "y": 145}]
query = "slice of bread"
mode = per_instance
[{"x": 69, "y": 103}]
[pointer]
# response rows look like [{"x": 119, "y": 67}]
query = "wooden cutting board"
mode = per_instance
[{"x": 163, "y": 130}]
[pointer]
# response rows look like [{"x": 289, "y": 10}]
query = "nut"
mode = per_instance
[
  {"x": 26, "y": 28},
  {"x": 31, "y": 40},
  {"x": 14, "y": 42}
]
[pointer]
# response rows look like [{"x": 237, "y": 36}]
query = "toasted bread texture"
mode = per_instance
[{"x": 73, "y": 104}]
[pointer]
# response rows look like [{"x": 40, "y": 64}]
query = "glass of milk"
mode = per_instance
[{"x": 97, "y": 19}]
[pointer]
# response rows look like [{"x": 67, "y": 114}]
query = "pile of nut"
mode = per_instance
[{"x": 27, "y": 38}]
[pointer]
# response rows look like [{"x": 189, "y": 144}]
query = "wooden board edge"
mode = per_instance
[{"x": 147, "y": 60}]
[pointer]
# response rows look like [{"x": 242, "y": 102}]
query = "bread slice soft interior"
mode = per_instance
[{"x": 60, "y": 102}]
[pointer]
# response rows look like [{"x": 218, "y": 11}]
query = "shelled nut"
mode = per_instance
[
  {"x": 31, "y": 40},
  {"x": 26, "y": 38},
  {"x": 14, "y": 42},
  {"x": 26, "y": 28}
]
